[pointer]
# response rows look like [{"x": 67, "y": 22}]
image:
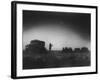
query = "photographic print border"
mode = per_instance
[{"x": 14, "y": 38}]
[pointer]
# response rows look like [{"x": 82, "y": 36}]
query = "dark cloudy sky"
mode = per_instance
[{"x": 60, "y": 29}]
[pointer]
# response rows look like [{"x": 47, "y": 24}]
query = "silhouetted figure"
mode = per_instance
[{"x": 50, "y": 46}]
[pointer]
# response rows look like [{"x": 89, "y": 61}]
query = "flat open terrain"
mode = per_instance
[{"x": 55, "y": 58}]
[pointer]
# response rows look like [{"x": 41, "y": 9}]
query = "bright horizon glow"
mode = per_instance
[{"x": 55, "y": 34}]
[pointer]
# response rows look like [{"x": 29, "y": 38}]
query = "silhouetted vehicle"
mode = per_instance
[
  {"x": 67, "y": 50},
  {"x": 70, "y": 50},
  {"x": 77, "y": 50},
  {"x": 37, "y": 43},
  {"x": 84, "y": 49},
  {"x": 36, "y": 47}
]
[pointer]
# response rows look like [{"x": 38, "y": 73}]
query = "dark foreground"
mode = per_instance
[{"x": 54, "y": 59}]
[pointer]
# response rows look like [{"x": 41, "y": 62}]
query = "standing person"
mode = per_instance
[{"x": 50, "y": 46}]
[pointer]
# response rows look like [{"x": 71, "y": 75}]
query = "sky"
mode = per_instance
[{"x": 59, "y": 28}]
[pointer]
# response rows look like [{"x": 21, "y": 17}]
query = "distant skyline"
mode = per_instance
[{"x": 60, "y": 29}]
